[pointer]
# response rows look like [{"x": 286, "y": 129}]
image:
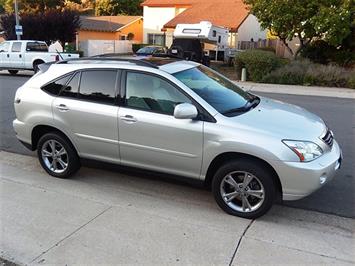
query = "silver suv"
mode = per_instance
[{"x": 176, "y": 117}]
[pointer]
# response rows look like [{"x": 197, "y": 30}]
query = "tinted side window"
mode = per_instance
[
  {"x": 16, "y": 47},
  {"x": 55, "y": 86},
  {"x": 98, "y": 85},
  {"x": 152, "y": 93},
  {"x": 72, "y": 87},
  {"x": 36, "y": 47}
]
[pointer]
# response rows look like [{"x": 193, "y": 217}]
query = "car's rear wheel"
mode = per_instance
[
  {"x": 57, "y": 155},
  {"x": 244, "y": 188},
  {"x": 13, "y": 72}
]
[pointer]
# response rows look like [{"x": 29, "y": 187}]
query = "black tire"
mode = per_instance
[
  {"x": 253, "y": 168},
  {"x": 71, "y": 157},
  {"x": 35, "y": 65},
  {"x": 13, "y": 72}
]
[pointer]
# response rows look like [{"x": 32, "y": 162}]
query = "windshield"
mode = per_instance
[
  {"x": 146, "y": 50},
  {"x": 225, "y": 96}
]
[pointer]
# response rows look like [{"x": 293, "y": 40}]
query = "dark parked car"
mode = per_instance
[{"x": 150, "y": 50}]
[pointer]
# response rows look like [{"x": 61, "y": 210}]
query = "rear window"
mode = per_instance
[
  {"x": 55, "y": 87},
  {"x": 36, "y": 47}
]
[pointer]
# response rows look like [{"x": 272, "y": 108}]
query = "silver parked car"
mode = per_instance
[{"x": 180, "y": 118}]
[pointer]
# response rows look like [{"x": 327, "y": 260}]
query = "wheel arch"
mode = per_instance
[
  {"x": 222, "y": 158},
  {"x": 37, "y": 61},
  {"x": 39, "y": 130}
]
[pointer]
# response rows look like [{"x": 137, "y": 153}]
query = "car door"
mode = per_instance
[
  {"x": 4, "y": 54},
  {"x": 16, "y": 59},
  {"x": 86, "y": 108},
  {"x": 149, "y": 135}
]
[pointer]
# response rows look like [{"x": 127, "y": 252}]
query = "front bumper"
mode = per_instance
[{"x": 299, "y": 179}]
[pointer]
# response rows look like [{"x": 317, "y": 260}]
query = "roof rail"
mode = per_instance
[{"x": 110, "y": 57}]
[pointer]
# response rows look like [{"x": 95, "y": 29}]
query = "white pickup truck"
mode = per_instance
[{"x": 27, "y": 55}]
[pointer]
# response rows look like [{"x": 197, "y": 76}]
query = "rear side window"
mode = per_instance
[
  {"x": 55, "y": 86},
  {"x": 71, "y": 89},
  {"x": 36, "y": 47},
  {"x": 16, "y": 47},
  {"x": 98, "y": 86}
]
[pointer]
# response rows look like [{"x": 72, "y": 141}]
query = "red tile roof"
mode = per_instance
[
  {"x": 105, "y": 23},
  {"x": 168, "y": 3},
  {"x": 226, "y": 13}
]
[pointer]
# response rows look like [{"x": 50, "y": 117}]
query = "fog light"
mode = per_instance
[{"x": 322, "y": 179}]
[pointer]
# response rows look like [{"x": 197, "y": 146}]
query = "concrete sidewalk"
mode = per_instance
[
  {"x": 298, "y": 90},
  {"x": 108, "y": 217}
]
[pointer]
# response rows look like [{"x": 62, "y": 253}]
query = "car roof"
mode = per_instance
[{"x": 166, "y": 64}]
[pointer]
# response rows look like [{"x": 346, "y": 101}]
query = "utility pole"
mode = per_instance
[{"x": 17, "y": 20}]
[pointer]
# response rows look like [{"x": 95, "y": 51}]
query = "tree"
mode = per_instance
[
  {"x": 36, "y": 6},
  {"x": 50, "y": 26},
  {"x": 306, "y": 20},
  {"x": 118, "y": 7}
]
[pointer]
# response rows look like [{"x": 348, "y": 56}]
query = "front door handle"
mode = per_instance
[
  {"x": 62, "y": 107},
  {"x": 7, "y": 55},
  {"x": 129, "y": 118}
]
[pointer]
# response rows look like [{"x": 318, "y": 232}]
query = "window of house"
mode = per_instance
[
  {"x": 151, "y": 93},
  {"x": 98, "y": 85},
  {"x": 156, "y": 39}
]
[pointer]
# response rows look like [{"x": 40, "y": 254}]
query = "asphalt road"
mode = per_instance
[{"x": 337, "y": 197}]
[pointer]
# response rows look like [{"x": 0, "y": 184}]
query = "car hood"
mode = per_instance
[{"x": 286, "y": 120}]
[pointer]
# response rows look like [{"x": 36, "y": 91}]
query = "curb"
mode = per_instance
[{"x": 344, "y": 93}]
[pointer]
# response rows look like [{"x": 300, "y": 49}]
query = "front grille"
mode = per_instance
[{"x": 328, "y": 138}]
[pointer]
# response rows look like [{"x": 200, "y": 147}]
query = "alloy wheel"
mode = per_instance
[
  {"x": 54, "y": 156},
  {"x": 242, "y": 191}
]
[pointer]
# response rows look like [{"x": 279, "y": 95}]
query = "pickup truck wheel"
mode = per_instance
[
  {"x": 13, "y": 72},
  {"x": 244, "y": 188},
  {"x": 36, "y": 64},
  {"x": 57, "y": 156}
]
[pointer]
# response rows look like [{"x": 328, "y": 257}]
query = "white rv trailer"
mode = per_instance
[{"x": 206, "y": 32}]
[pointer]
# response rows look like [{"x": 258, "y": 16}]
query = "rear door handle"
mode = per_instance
[
  {"x": 62, "y": 107},
  {"x": 129, "y": 118}
]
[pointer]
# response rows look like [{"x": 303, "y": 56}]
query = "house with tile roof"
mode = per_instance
[
  {"x": 111, "y": 28},
  {"x": 162, "y": 16}
]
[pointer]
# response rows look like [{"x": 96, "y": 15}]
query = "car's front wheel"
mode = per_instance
[
  {"x": 244, "y": 188},
  {"x": 57, "y": 156}
]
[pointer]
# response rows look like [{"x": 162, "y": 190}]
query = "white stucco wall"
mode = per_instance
[
  {"x": 154, "y": 18},
  {"x": 250, "y": 28}
]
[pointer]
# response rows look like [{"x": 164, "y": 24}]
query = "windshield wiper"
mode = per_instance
[{"x": 251, "y": 103}]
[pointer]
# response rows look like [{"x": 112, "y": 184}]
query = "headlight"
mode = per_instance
[{"x": 307, "y": 151}]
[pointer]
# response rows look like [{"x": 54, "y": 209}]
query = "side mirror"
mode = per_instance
[{"x": 185, "y": 111}]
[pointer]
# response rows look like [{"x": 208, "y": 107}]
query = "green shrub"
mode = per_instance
[
  {"x": 304, "y": 72},
  {"x": 268, "y": 49},
  {"x": 258, "y": 63},
  {"x": 323, "y": 53},
  {"x": 137, "y": 46}
]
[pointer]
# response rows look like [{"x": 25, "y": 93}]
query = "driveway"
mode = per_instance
[{"x": 105, "y": 217}]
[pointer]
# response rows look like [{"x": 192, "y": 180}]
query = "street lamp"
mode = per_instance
[{"x": 18, "y": 34}]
